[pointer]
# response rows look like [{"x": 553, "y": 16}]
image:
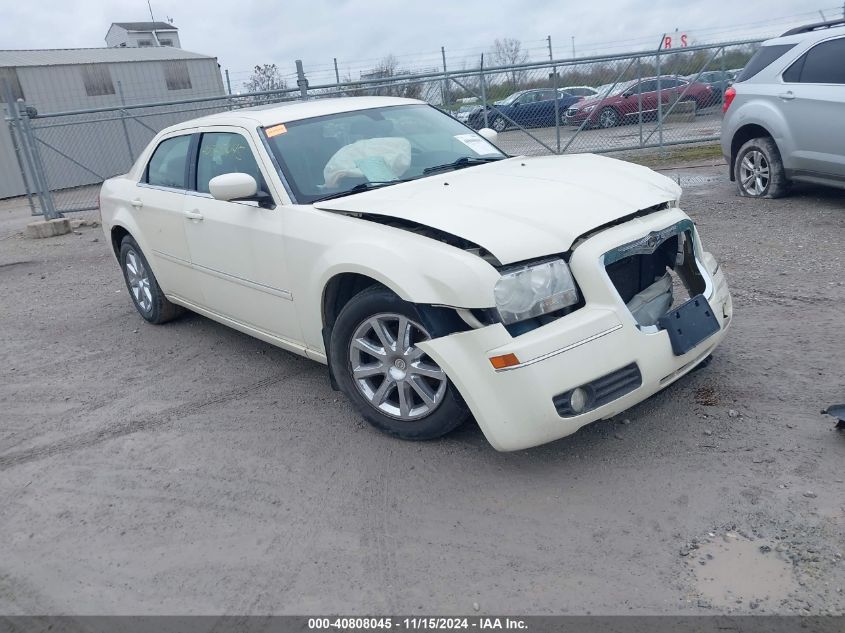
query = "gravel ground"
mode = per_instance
[{"x": 190, "y": 469}]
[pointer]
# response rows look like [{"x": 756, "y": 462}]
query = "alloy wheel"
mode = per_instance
[
  {"x": 391, "y": 372},
  {"x": 607, "y": 118},
  {"x": 139, "y": 280},
  {"x": 754, "y": 172}
]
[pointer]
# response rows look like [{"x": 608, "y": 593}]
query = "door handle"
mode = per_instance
[
  {"x": 787, "y": 96},
  {"x": 137, "y": 203},
  {"x": 193, "y": 215}
]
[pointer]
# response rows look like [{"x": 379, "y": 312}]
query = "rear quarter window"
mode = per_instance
[
  {"x": 764, "y": 56},
  {"x": 822, "y": 64}
]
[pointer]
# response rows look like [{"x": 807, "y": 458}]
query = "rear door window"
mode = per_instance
[
  {"x": 764, "y": 56},
  {"x": 645, "y": 86},
  {"x": 822, "y": 64},
  {"x": 167, "y": 167}
]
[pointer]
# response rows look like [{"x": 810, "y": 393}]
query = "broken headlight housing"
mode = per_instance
[{"x": 531, "y": 290}]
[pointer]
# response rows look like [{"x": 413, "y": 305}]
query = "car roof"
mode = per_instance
[{"x": 272, "y": 114}]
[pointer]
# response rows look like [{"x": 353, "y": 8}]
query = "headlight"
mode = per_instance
[{"x": 531, "y": 290}]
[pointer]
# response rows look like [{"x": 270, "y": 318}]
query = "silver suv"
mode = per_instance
[{"x": 785, "y": 114}]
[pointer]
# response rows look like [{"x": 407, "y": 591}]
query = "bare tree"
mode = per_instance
[
  {"x": 387, "y": 67},
  {"x": 265, "y": 77},
  {"x": 508, "y": 52},
  {"x": 389, "y": 70}
]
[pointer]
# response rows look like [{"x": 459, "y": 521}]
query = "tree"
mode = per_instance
[
  {"x": 388, "y": 69},
  {"x": 508, "y": 52},
  {"x": 265, "y": 77}
]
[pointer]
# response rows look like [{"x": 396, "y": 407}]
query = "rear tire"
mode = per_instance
[
  {"x": 758, "y": 170},
  {"x": 142, "y": 285},
  {"x": 394, "y": 385}
]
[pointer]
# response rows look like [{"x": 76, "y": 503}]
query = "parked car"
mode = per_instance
[
  {"x": 719, "y": 81},
  {"x": 464, "y": 112},
  {"x": 528, "y": 108},
  {"x": 434, "y": 275},
  {"x": 625, "y": 103},
  {"x": 784, "y": 113}
]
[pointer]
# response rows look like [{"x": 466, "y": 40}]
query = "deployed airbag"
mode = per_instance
[
  {"x": 376, "y": 159},
  {"x": 650, "y": 304}
]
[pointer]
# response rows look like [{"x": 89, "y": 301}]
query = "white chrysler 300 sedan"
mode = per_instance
[{"x": 436, "y": 276}]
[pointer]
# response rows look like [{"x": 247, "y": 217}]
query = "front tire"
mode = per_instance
[
  {"x": 758, "y": 170},
  {"x": 499, "y": 124},
  {"x": 143, "y": 287},
  {"x": 608, "y": 118},
  {"x": 392, "y": 383}
]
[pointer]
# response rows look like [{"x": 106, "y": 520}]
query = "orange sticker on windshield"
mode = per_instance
[{"x": 275, "y": 130}]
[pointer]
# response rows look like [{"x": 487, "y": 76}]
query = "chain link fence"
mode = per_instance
[{"x": 622, "y": 103}]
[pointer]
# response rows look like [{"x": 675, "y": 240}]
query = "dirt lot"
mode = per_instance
[{"x": 190, "y": 469}]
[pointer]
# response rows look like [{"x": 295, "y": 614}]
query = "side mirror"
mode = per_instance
[
  {"x": 235, "y": 186},
  {"x": 490, "y": 135},
  {"x": 627, "y": 94}
]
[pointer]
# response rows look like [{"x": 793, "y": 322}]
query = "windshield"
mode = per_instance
[
  {"x": 764, "y": 56},
  {"x": 510, "y": 99},
  {"x": 330, "y": 155},
  {"x": 623, "y": 86}
]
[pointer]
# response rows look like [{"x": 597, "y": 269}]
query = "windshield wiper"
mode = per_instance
[
  {"x": 364, "y": 186},
  {"x": 464, "y": 161}
]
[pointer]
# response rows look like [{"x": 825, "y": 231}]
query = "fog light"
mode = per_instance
[{"x": 578, "y": 400}]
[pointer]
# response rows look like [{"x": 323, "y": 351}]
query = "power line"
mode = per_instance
[{"x": 536, "y": 49}]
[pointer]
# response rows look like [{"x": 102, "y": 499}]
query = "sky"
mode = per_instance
[{"x": 243, "y": 33}]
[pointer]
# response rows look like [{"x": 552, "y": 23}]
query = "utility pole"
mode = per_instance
[
  {"x": 573, "y": 47},
  {"x": 336, "y": 73}
]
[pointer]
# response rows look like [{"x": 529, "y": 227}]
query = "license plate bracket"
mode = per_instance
[{"x": 689, "y": 324}]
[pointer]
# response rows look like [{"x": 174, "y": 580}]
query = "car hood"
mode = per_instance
[
  {"x": 593, "y": 101},
  {"x": 520, "y": 208}
]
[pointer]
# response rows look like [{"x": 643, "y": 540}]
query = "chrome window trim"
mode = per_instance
[{"x": 147, "y": 185}]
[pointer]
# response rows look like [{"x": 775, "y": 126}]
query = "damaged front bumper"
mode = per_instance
[{"x": 601, "y": 347}]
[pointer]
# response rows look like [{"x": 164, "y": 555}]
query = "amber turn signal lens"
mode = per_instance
[{"x": 506, "y": 360}]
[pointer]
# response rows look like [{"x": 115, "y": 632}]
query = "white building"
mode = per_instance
[
  {"x": 61, "y": 80},
  {"x": 142, "y": 35}
]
